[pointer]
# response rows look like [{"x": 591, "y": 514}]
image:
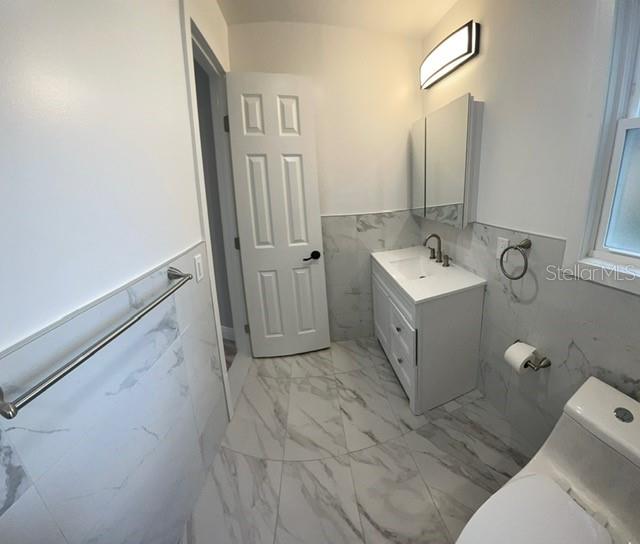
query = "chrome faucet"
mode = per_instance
[{"x": 438, "y": 255}]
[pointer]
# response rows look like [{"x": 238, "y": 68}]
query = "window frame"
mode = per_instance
[
  {"x": 595, "y": 262},
  {"x": 600, "y": 251}
]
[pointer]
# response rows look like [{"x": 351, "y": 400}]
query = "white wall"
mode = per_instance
[
  {"x": 367, "y": 97},
  {"x": 208, "y": 17},
  {"x": 542, "y": 73},
  {"x": 96, "y": 153}
]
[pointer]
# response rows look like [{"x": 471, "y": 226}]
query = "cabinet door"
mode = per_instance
[{"x": 381, "y": 313}]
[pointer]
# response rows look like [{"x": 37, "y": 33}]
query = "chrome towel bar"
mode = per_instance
[{"x": 10, "y": 409}]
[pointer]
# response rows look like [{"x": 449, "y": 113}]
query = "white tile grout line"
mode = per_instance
[
  {"x": 284, "y": 445},
  {"x": 435, "y": 504}
]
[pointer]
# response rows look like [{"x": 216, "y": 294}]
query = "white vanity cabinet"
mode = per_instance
[{"x": 427, "y": 319}]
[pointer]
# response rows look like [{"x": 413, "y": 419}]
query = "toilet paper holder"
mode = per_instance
[{"x": 544, "y": 362}]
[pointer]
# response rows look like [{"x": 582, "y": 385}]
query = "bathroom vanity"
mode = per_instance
[{"x": 427, "y": 319}]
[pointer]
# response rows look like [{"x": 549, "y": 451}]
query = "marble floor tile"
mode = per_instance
[
  {"x": 373, "y": 349},
  {"x": 458, "y": 488},
  {"x": 259, "y": 423},
  {"x": 483, "y": 413},
  {"x": 272, "y": 367},
  {"x": 245, "y": 502},
  {"x": 366, "y": 412},
  {"x": 464, "y": 448},
  {"x": 395, "y": 504},
  {"x": 398, "y": 400},
  {"x": 316, "y": 363},
  {"x": 357, "y": 466},
  {"x": 318, "y": 504},
  {"x": 454, "y": 513},
  {"x": 352, "y": 355},
  {"x": 314, "y": 425}
]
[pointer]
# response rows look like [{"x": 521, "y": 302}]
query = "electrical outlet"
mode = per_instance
[
  {"x": 502, "y": 244},
  {"x": 197, "y": 261}
]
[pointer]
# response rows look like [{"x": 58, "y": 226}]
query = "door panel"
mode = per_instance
[
  {"x": 260, "y": 200},
  {"x": 274, "y": 165}
]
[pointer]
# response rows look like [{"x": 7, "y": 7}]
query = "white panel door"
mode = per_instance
[{"x": 273, "y": 152}]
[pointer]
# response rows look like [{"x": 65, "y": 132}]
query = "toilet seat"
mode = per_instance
[{"x": 530, "y": 510}]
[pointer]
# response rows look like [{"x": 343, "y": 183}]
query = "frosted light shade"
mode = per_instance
[{"x": 456, "y": 49}]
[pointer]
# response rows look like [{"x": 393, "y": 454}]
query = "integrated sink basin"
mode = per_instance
[
  {"x": 412, "y": 268},
  {"x": 422, "y": 278}
]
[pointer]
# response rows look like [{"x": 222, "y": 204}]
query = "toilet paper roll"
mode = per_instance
[{"x": 518, "y": 355}]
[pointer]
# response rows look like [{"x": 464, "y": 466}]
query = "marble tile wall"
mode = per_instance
[
  {"x": 583, "y": 327},
  {"x": 118, "y": 451},
  {"x": 348, "y": 243}
]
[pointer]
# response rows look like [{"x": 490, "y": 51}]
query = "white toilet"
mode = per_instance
[{"x": 582, "y": 487}]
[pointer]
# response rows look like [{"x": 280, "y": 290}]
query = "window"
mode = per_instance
[
  {"x": 615, "y": 223},
  {"x": 619, "y": 232}
]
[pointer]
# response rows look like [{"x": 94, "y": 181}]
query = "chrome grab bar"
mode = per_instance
[{"x": 10, "y": 409}]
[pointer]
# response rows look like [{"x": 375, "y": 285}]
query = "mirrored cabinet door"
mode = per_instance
[
  {"x": 418, "y": 157},
  {"x": 444, "y": 150}
]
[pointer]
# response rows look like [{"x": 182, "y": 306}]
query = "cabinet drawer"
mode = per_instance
[
  {"x": 404, "y": 365},
  {"x": 403, "y": 332}
]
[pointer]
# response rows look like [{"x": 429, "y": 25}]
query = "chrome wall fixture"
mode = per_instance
[
  {"x": 9, "y": 409},
  {"x": 522, "y": 247},
  {"x": 457, "y": 48}
]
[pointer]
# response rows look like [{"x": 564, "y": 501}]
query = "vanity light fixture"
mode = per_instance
[{"x": 456, "y": 49}]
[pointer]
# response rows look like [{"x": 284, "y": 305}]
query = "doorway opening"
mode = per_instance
[{"x": 210, "y": 87}]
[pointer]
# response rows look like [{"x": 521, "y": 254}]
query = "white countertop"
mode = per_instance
[{"x": 423, "y": 279}]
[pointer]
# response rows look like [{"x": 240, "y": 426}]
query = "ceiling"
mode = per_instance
[{"x": 408, "y": 17}]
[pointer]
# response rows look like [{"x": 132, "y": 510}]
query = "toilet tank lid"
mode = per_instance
[
  {"x": 532, "y": 509},
  {"x": 595, "y": 405}
]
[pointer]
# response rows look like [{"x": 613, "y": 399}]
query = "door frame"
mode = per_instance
[
  {"x": 226, "y": 194},
  {"x": 193, "y": 40}
]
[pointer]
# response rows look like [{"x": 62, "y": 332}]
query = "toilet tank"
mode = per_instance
[
  {"x": 593, "y": 452},
  {"x": 609, "y": 415}
]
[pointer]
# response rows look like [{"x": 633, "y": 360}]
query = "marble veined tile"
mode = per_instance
[
  {"x": 465, "y": 448},
  {"x": 366, "y": 413},
  {"x": 152, "y": 504},
  {"x": 374, "y": 351},
  {"x": 316, "y": 363},
  {"x": 259, "y": 423},
  {"x": 246, "y": 499},
  {"x": 459, "y": 488},
  {"x": 78, "y": 498},
  {"x": 398, "y": 399},
  {"x": 352, "y": 355},
  {"x": 318, "y": 504},
  {"x": 28, "y": 522},
  {"x": 13, "y": 478},
  {"x": 494, "y": 428},
  {"x": 395, "y": 504},
  {"x": 272, "y": 367},
  {"x": 346, "y": 358},
  {"x": 339, "y": 234},
  {"x": 50, "y": 427},
  {"x": 314, "y": 426}
]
